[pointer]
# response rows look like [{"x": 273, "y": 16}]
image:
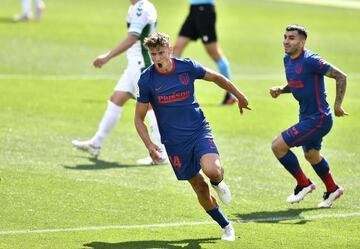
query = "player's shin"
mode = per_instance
[
  {"x": 322, "y": 169},
  {"x": 291, "y": 164},
  {"x": 217, "y": 215}
]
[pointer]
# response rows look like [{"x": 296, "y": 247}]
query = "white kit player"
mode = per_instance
[
  {"x": 141, "y": 21},
  {"x": 27, "y": 14}
]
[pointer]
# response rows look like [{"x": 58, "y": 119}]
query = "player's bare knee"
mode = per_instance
[
  {"x": 275, "y": 146},
  {"x": 313, "y": 157},
  {"x": 220, "y": 173},
  {"x": 279, "y": 147},
  {"x": 215, "y": 174},
  {"x": 119, "y": 98}
]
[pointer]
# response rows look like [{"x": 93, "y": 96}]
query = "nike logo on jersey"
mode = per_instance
[{"x": 158, "y": 89}]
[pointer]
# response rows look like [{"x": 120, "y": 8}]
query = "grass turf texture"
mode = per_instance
[{"x": 45, "y": 184}]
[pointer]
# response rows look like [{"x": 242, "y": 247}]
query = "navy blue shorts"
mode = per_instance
[
  {"x": 308, "y": 133},
  {"x": 185, "y": 157}
]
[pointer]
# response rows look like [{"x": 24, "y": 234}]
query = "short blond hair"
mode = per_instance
[{"x": 157, "y": 39}]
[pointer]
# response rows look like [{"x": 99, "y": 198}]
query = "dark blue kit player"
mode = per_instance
[
  {"x": 168, "y": 85},
  {"x": 305, "y": 72}
]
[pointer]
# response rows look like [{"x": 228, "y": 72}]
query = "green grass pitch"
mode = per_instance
[{"x": 52, "y": 196}]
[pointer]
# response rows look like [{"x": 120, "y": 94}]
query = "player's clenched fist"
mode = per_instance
[{"x": 275, "y": 92}]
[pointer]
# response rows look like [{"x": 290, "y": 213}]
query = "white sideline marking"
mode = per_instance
[
  {"x": 280, "y": 76},
  {"x": 350, "y": 4},
  {"x": 270, "y": 219}
]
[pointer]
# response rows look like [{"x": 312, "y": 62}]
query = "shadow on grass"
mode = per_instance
[
  {"x": 144, "y": 244},
  {"x": 97, "y": 164},
  {"x": 275, "y": 216}
]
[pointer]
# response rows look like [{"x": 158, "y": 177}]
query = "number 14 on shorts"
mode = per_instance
[{"x": 175, "y": 161}]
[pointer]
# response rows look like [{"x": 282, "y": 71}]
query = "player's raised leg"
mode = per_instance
[
  {"x": 210, "y": 165},
  {"x": 208, "y": 202}
]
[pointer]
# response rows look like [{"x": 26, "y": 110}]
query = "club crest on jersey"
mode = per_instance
[
  {"x": 298, "y": 68},
  {"x": 184, "y": 78}
]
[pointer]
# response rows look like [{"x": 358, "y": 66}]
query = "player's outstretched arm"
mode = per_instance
[
  {"x": 122, "y": 47},
  {"x": 277, "y": 90},
  {"x": 140, "y": 113},
  {"x": 226, "y": 84},
  {"x": 340, "y": 78}
]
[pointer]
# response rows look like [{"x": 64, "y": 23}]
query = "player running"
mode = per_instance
[
  {"x": 305, "y": 72},
  {"x": 168, "y": 85}
]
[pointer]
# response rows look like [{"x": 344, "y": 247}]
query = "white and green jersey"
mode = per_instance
[{"x": 141, "y": 22}]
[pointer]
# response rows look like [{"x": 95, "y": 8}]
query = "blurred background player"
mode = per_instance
[
  {"x": 141, "y": 20},
  {"x": 305, "y": 72},
  {"x": 200, "y": 23},
  {"x": 27, "y": 14},
  {"x": 168, "y": 85}
]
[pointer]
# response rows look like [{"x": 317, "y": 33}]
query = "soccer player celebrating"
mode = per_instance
[
  {"x": 305, "y": 72},
  {"x": 168, "y": 84}
]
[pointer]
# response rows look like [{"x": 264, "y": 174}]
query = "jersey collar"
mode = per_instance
[{"x": 172, "y": 70}]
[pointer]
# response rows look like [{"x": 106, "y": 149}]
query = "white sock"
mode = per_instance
[
  {"x": 107, "y": 123},
  {"x": 39, "y": 7},
  {"x": 154, "y": 129},
  {"x": 26, "y": 7},
  {"x": 38, "y": 4}
]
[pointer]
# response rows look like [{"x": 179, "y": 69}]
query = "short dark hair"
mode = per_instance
[
  {"x": 299, "y": 28},
  {"x": 157, "y": 39}
]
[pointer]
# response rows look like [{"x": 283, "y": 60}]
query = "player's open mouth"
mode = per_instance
[{"x": 159, "y": 65}]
